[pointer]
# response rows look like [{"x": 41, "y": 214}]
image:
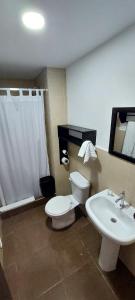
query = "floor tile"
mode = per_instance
[
  {"x": 122, "y": 282},
  {"x": 91, "y": 239},
  {"x": 9, "y": 250},
  {"x": 56, "y": 293},
  {"x": 39, "y": 274},
  {"x": 27, "y": 217},
  {"x": 30, "y": 240},
  {"x": 71, "y": 255},
  {"x": 11, "y": 275},
  {"x": 87, "y": 283},
  {"x": 5, "y": 293},
  {"x": 42, "y": 263}
]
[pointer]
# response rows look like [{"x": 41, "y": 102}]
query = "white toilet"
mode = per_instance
[{"x": 61, "y": 208}]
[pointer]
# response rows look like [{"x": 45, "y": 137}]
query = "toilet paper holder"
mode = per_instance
[
  {"x": 65, "y": 160},
  {"x": 63, "y": 150}
]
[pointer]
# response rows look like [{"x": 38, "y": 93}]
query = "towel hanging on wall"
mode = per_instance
[{"x": 87, "y": 151}]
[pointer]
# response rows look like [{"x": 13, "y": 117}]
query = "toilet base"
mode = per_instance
[{"x": 64, "y": 220}]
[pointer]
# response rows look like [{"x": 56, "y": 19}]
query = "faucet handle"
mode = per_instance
[
  {"x": 121, "y": 196},
  {"x": 123, "y": 193}
]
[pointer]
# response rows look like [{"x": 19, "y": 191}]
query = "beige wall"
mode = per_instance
[
  {"x": 56, "y": 109},
  {"x": 109, "y": 172},
  {"x": 55, "y": 114}
]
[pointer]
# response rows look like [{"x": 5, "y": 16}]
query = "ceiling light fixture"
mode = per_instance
[{"x": 33, "y": 20}]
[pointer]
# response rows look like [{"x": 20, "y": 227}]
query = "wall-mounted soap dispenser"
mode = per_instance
[{"x": 73, "y": 134}]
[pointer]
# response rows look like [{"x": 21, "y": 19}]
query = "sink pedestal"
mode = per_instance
[{"x": 108, "y": 256}]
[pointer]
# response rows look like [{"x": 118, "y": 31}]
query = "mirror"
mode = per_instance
[{"x": 122, "y": 135}]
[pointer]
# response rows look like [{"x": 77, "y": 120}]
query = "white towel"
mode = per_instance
[{"x": 87, "y": 151}]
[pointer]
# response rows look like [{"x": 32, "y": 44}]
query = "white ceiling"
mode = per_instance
[{"x": 73, "y": 28}]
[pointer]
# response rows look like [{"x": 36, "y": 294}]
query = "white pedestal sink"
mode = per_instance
[
  {"x": 108, "y": 256},
  {"x": 116, "y": 225}
]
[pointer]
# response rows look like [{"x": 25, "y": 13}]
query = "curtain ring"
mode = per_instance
[
  {"x": 20, "y": 92},
  {"x": 8, "y": 92},
  {"x": 30, "y": 92}
]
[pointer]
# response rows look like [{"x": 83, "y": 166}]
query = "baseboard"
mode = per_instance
[{"x": 20, "y": 209}]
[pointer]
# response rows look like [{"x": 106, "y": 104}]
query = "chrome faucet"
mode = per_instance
[{"x": 121, "y": 198}]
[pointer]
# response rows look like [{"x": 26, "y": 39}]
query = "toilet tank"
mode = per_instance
[{"x": 80, "y": 187}]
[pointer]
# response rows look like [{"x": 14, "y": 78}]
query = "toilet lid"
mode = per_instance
[{"x": 58, "y": 205}]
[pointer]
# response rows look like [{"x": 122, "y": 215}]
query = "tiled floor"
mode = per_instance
[
  {"x": 4, "y": 289},
  {"x": 58, "y": 265}
]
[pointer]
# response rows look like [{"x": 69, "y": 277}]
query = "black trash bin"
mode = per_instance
[{"x": 47, "y": 185}]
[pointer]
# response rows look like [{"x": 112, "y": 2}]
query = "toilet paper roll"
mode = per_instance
[
  {"x": 65, "y": 161},
  {"x": 64, "y": 152}
]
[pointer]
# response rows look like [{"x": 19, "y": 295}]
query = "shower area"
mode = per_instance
[{"x": 23, "y": 150}]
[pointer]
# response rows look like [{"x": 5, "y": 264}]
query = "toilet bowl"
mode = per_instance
[{"x": 61, "y": 209}]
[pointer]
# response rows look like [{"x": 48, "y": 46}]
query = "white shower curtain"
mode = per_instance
[{"x": 23, "y": 153}]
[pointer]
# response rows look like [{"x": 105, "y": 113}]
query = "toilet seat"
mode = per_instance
[{"x": 60, "y": 205}]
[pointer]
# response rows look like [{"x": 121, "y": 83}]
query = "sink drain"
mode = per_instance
[{"x": 113, "y": 220}]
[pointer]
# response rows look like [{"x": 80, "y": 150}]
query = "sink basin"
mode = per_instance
[
  {"x": 116, "y": 225},
  {"x": 114, "y": 222}
]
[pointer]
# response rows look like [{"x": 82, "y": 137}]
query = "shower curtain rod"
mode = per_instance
[{"x": 24, "y": 89}]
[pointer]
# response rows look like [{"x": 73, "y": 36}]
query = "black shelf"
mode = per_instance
[{"x": 74, "y": 134}]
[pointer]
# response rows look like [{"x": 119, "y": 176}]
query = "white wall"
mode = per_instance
[{"x": 99, "y": 81}]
